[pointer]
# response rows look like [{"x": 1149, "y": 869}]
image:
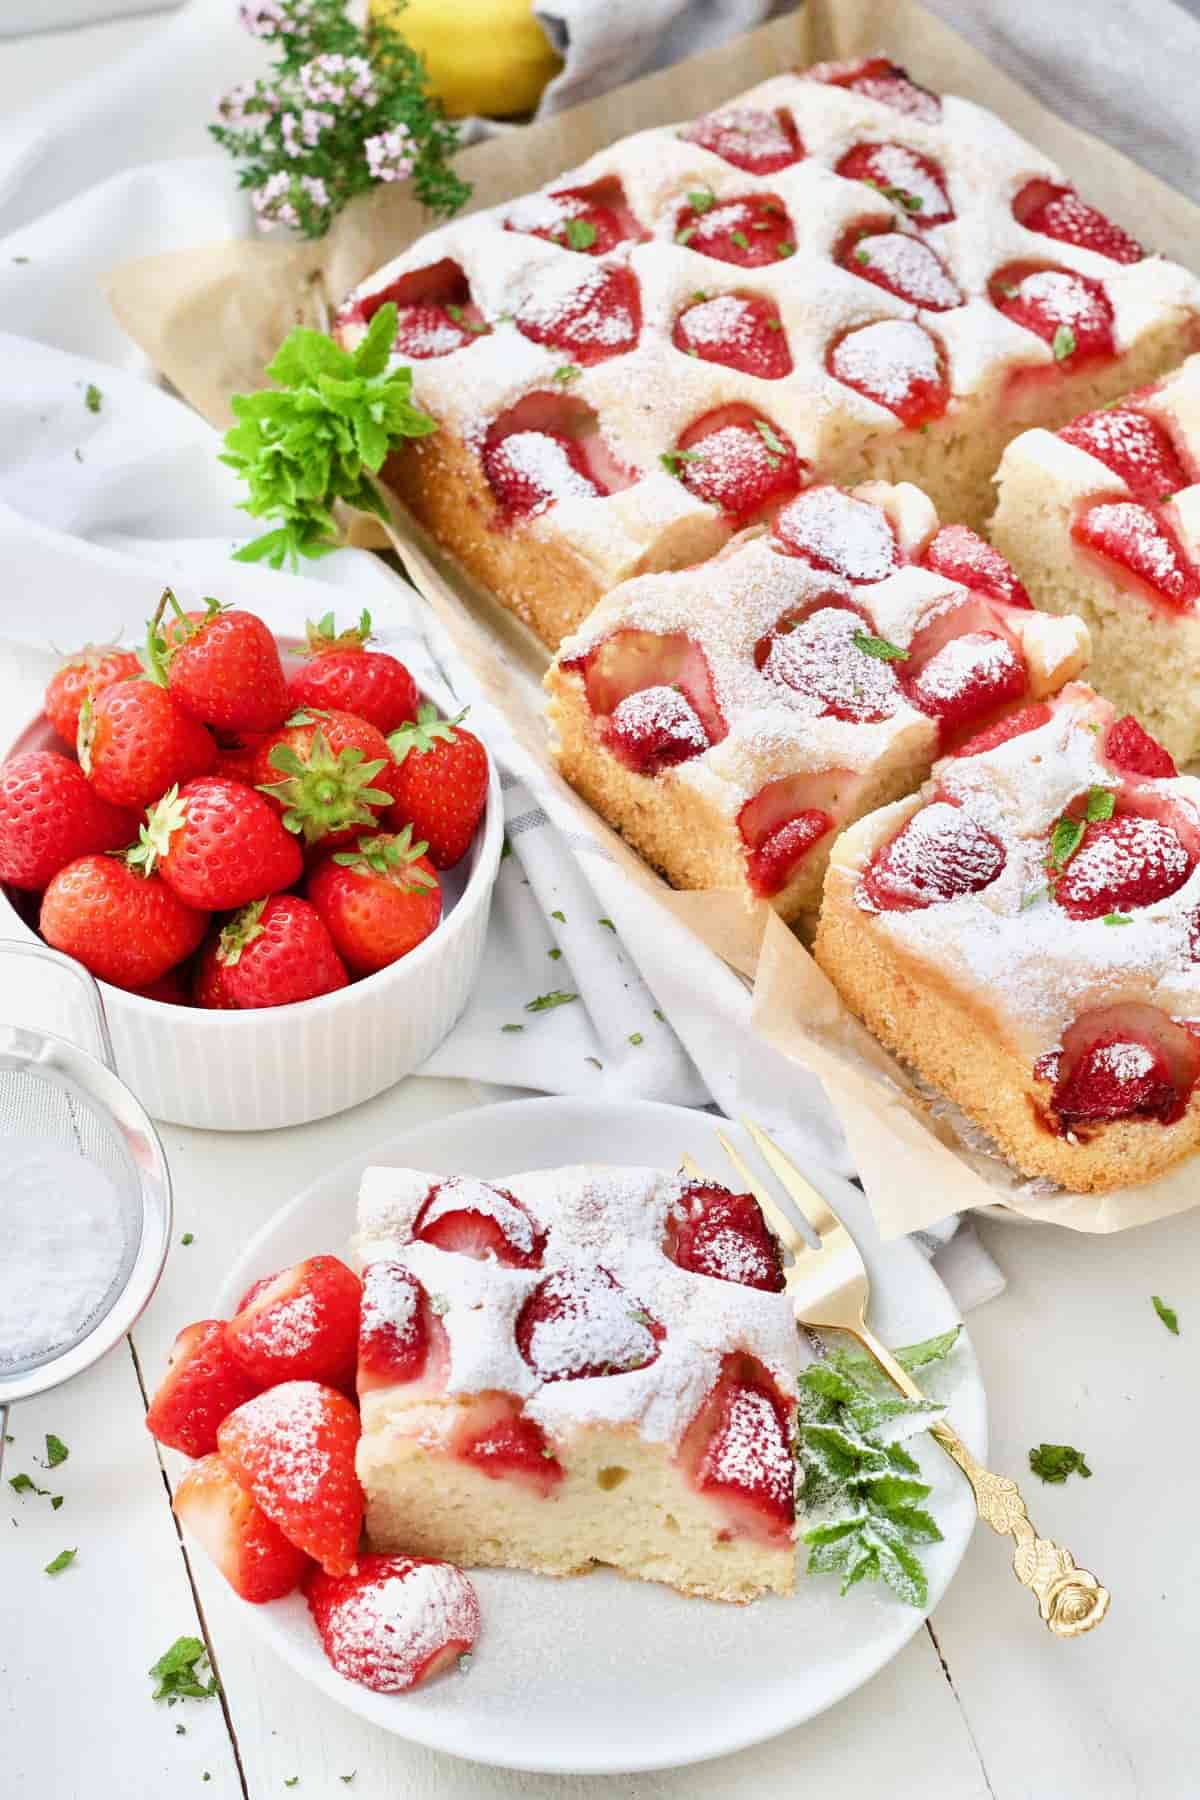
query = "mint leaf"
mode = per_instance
[
  {"x": 179, "y": 1672},
  {"x": 581, "y": 234},
  {"x": 62, "y": 1561},
  {"x": 1054, "y": 1462},
  {"x": 56, "y": 1451},
  {"x": 740, "y": 239},
  {"x": 1063, "y": 343},
  {"x": 701, "y": 199},
  {"x": 93, "y": 399},
  {"x": 770, "y": 437},
  {"x": 547, "y": 1002},
  {"x": 25, "y": 1484},
  {"x": 1167, "y": 1314},
  {"x": 1118, "y": 918},
  {"x": 880, "y": 648},
  {"x": 1065, "y": 840},
  {"x": 1100, "y": 803},
  {"x": 674, "y": 461}
]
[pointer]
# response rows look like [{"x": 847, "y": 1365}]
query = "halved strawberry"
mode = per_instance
[
  {"x": 758, "y": 142},
  {"x": 878, "y": 78},
  {"x": 711, "y": 1231},
  {"x": 739, "y": 331},
  {"x": 913, "y": 183},
  {"x": 293, "y": 1449},
  {"x": 901, "y": 265},
  {"x": 896, "y": 363},
  {"x": 302, "y": 1325},
  {"x": 1117, "y": 1077},
  {"x": 396, "y": 1621},
  {"x": 822, "y": 658},
  {"x": 530, "y": 470},
  {"x": 1122, "y": 862},
  {"x": 960, "y": 555},
  {"x": 781, "y": 822},
  {"x": 251, "y": 1552},
  {"x": 476, "y": 1219},
  {"x": 433, "y": 328},
  {"x": 773, "y": 862},
  {"x": 203, "y": 1383},
  {"x": 1143, "y": 544},
  {"x": 654, "y": 729},
  {"x": 629, "y": 660},
  {"x": 401, "y": 1337},
  {"x": 435, "y": 311},
  {"x": 1013, "y": 724},
  {"x": 750, "y": 231},
  {"x": 834, "y": 530},
  {"x": 502, "y": 1442},
  {"x": 602, "y": 317},
  {"x": 738, "y": 1451},
  {"x": 1135, "y": 447},
  {"x": 580, "y": 1322},
  {"x": 940, "y": 855},
  {"x": 737, "y": 460},
  {"x": 968, "y": 676},
  {"x": 1058, "y": 212},
  {"x": 1130, "y": 748},
  {"x": 592, "y": 220},
  {"x": 1070, "y": 312}
]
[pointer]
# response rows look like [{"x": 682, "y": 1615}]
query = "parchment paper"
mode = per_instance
[{"x": 211, "y": 319}]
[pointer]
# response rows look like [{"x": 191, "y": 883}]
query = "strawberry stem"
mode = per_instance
[{"x": 322, "y": 793}]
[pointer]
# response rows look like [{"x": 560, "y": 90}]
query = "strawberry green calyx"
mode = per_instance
[
  {"x": 424, "y": 732},
  {"x": 157, "y": 653},
  {"x": 324, "y": 635},
  {"x": 322, "y": 793},
  {"x": 154, "y": 838},
  {"x": 85, "y": 733},
  {"x": 389, "y": 857},
  {"x": 241, "y": 930}
]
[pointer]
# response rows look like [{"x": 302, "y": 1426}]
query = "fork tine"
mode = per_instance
[
  {"x": 810, "y": 1204},
  {"x": 776, "y": 1218},
  {"x": 691, "y": 1167}
]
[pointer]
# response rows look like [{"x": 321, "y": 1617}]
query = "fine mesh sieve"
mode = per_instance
[{"x": 67, "y": 1124}]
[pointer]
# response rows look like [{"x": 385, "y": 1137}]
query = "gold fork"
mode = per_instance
[{"x": 830, "y": 1289}]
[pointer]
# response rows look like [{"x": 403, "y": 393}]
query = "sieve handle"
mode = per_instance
[
  {"x": 43, "y": 953},
  {"x": 3, "y": 1433}
]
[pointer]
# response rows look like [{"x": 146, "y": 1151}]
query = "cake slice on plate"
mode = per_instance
[
  {"x": 730, "y": 718},
  {"x": 838, "y": 276},
  {"x": 1103, "y": 519},
  {"x": 1025, "y": 935},
  {"x": 578, "y": 1366}
]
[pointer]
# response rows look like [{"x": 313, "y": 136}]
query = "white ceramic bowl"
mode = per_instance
[{"x": 285, "y": 1065}]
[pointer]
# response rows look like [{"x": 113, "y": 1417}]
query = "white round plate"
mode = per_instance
[{"x": 600, "y": 1674}]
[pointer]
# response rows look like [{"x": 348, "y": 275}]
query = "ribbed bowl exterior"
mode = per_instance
[{"x": 285, "y": 1065}]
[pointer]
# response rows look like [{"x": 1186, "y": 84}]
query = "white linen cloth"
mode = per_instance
[{"x": 99, "y": 509}]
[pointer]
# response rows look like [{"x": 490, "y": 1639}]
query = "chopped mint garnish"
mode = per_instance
[
  {"x": 1033, "y": 898},
  {"x": 93, "y": 399},
  {"x": 512, "y": 1028},
  {"x": 673, "y": 460},
  {"x": 858, "y": 1483},
  {"x": 595, "y": 1061},
  {"x": 607, "y": 923},
  {"x": 62, "y": 1561},
  {"x": 464, "y": 1661},
  {"x": 187, "y": 1238},
  {"x": 179, "y": 1672},
  {"x": 506, "y": 850},
  {"x": 686, "y": 235},
  {"x": 560, "y": 916},
  {"x": 699, "y": 294},
  {"x": 56, "y": 1451},
  {"x": 547, "y": 1002},
  {"x": 181, "y": 1731},
  {"x": 1118, "y": 918},
  {"x": 439, "y": 1303},
  {"x": 348, "y": 1778},
  {"x": 1100, "y": 803},
  {"x": 291, "y": 1781},
  {"x": 565, "y": 375},
  {"x": 25, "y": 1484},
  {"x": 881, "y": 648},
  {"x": 581, "y": 234},
  {"x": 740, "y": 239},
  {"x": 783, "y": 248},
  {"x": 701, "y": 199},
  {"x": 660, "y": 1016},
  {"x": 1167, "y": 1314},
  {"x": 554, "y": 954},
  {"x": 862, "y": 256},
  {"x": 1063, "y": 343},
  {"x": 1054, "y": 1462},
  {"x": 636, "y": 1038},
  {"x": 56, "y": 1501},
  {"x": 1065, "y": 840},
  {"x": 770, "y": 437}
]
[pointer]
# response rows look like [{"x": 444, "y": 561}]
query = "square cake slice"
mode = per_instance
[
  {"x": 729, "y": 719},
  {"x": 837, "y": 277},
  {"x": 1025, "y": 935},
  {"x": 578, "y": 1366},
  {"x": 1103, "y": 519}
]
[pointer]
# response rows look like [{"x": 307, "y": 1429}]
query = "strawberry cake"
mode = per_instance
[
  {"x": 1025, "y": 935},
  {"x": 730, "y": 718},
  {"x": 837, "y": 276},
  {"x": 1103, "y": 519},
  {"x": 578, "y": 1366}
]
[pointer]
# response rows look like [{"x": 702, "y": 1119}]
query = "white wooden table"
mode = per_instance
[{"x": 981, "y": 1703}]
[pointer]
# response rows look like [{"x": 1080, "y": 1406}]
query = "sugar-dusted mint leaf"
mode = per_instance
[
  {"x": 879, "y": 647},
  {"x": 783, "y": 248},
  {"x": 179, "y": 1672},
  {"x": 1118, "y": 918},
  {"x": 565, "y": 375},
  {"x": 93, "y": 399},
  {"x": 1065, "y": 840},
  {"x": 1101, "y": 803},
  {"x": 675, "y": 461},
  {"x": 547, "y": 1002},
  {"x": 929, "y": 1350},
  {"x": 685, "y": 235},
  {"x": 62, "y": 1561},
  {"x": 701, "y": 199},
  {"x": 439, "y": 1304},
  {"x": 1167, "y": 1314},
  {"x": 1063, "y": 343},
  {"x": 1054, "y": 1462},
  {"x": 740, "y": 239},
  {"x": 770, "y": 437},
  {"x": 581, "y": 234},
  {"x": 56, "y": 1451}
]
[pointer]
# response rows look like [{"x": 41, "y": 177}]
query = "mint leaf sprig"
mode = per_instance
[
  {"x": 857, "y": 1483},
  {"x": 319, "y": 436},
  {"x": 343, "y": 109}
]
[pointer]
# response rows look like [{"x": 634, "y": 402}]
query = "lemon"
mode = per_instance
[{"x": 483, "y": 56}]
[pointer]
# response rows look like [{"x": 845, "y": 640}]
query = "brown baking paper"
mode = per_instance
[{"x": 211, "y": 319}]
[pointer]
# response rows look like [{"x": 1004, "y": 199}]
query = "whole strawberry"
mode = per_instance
[
  {"x": 134, "y": 743},
  {"x": 127, "y": 928},
  {"x": 217, "y": 844},
  {"x": 379, "y": 901},
  {"x": 208, "y": 980},
  {"x": 89, "y": 671},
  {"x": 222, "y": 667},
  {"x": 343, "y": 673},
  {"x": 440, "y": 784},
  {"x": 50, "y": 816},
  {"x": 329, "y": 771},
  {"x": 277, "y": 951},
  {"x": 236, "y": 753}
]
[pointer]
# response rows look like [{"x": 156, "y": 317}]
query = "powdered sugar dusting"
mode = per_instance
[
  {"x": 592, "y": 309},
  {"x": 389, "y": 1303},
  {"x": 1109, "y": 859},
  {"x": 836, "y": 531},
  {"x": 727, "y": 321},
  {"x": 895, "y": 166},
  {"x": 1063, "y": 299},
  {"x": 291, "y": 1418},
  {"x": 751, "y": 1453},
  {"x": 659, "y": 713},
  {"x": 1124, "y": 1062},
  {"x": 886, "y": 359},
  {"x": 534, "y": 458},
  {"x": 592, "y": 1325},
  {"x": 820, "y": 665},
  {"x": 962, "y": 662},
  {"x": 385, "y": 1629},
  {"x": 909, "y": 268},
  {"x": 461, "y": 1194},
  {"x": 746, "y": 135}
]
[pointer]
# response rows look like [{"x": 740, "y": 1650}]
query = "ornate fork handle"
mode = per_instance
[{"x": 1070, "y": 1599}]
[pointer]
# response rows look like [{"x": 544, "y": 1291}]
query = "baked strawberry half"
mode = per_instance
[
  {"x": 581, "y": 1322},
  {"x": 739, "y": 331},
  {"x": 838, "y": 532},
  {"x": 502, "y": 1442},
  {"x": 913, "y": 182},
  {"x": 475, "y": 1219},
  {"x": 401, "y": 1337},
  {"x": 711, "y": 1231},
  {"x": 1121, "y": 862},
  {"x": 1070, "y": 312},
  {"x": 736, "y": 460},
  {"x": 1134, "y": 446},
  {"x": 738, "y": 1451},
  {"x": 961, "y": 555},
  {"x": 396, "y": 1621},
  {"x": 1057, "y": 212},
  {"x": 878, "y": 78},
  {"x": 1139, "y": 540},
  {"x": 901, "y": 265},
  {"x": 599, "y": 318},
  {"x": 896, "y": 363},
  {"x": 751, "y": 231},
  {"x": 1130, "y": 748},
  {"x": 942, "y": 854},
  {"x": 756, "y": 141}
]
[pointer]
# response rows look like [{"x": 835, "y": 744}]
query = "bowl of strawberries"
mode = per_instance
[{"x": 275, "y": 857}]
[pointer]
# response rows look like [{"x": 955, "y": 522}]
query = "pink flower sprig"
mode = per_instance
[{"x": 342, "y": 110}]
